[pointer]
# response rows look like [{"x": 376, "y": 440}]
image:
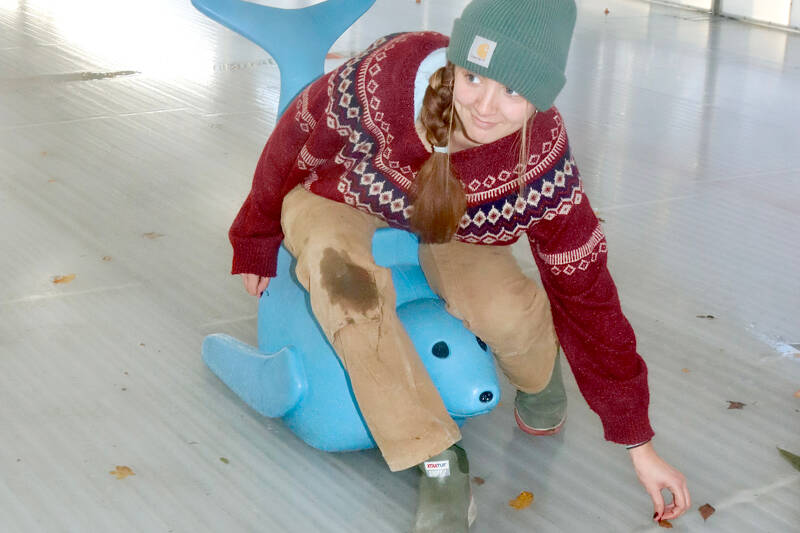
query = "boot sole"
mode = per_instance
[{"x": 536, "y": 431}]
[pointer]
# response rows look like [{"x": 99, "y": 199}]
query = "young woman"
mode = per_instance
[{"x": 459, "y": 142}]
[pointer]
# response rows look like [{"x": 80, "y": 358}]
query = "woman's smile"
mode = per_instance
[{"x": 488, "y": 110}]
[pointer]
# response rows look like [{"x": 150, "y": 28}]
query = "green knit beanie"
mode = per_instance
[{"x": 522, "y": 44}]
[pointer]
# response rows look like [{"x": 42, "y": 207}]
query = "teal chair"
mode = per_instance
[{"x": 298, "y": 39}]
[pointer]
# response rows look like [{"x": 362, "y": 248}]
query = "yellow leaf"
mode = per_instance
[
  {"x": 525, "y": 499},
  {"x": 665, "y": 523},
  {"x": 122, "y": 472},
  {"x": 63, "y": 279}
]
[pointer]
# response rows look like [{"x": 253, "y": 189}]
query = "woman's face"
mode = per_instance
[{"x": 488, "y": 109}]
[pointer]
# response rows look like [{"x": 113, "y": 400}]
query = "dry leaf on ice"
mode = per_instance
[
  {"x": 685, "y": 370},
  {"x": 152, "y": 235},
  {"x": 478, "y": 480},
  {"x": 525, "y": 499},
  {"x": 706, "y": 510},
  {"x": 122, "y": 472},
  {"x": 665, "y": 524},
  {"x": 63, "y": 279},
  {"x": 735, "y": 405}
]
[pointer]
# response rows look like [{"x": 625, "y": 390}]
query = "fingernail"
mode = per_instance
[{"x": 655, "y": 515}]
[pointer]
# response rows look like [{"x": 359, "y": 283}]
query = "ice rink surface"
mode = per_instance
[{"x": 129, "y": 132}]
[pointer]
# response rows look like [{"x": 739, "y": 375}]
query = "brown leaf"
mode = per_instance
[
  {"x": 665, "y": 523},
  {"x": 478, "y": 480},
  {"x": 797, "y": 393},
  {"x": 122, "y": 472},
  {"x": 705, "y": 511},
  {"x": 606, "y": 11},
  {"x": 685, "y": 370},
  {"x": 735, "y": 405},
  {"x": 525, "y": 499},
  {"x": 63, "y": 279},
  {"x": 152, "y": 235},
  {"x": 106, "y": 258}
]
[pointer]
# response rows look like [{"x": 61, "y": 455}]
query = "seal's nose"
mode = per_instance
[{"x": 486, "y": 396}]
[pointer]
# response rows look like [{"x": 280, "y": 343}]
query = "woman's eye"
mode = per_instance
[
  {"x": 472, "y": 78},
  {"x": 511, "y": 92}
]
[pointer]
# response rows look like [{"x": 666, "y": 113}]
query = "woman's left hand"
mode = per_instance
[{"x": 656, "y": 474}]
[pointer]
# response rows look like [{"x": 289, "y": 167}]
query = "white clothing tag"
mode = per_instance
[
  {"x": 481, "y": 51},
  {"x": 437, "y": 468}
]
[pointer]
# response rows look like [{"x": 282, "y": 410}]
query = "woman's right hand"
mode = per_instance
[{"x": 255, "y": 284}]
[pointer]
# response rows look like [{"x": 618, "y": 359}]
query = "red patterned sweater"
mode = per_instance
[{"x": 350, "y": 137}]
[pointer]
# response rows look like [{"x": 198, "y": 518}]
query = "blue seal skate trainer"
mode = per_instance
[{"x": 294, "y": 374}]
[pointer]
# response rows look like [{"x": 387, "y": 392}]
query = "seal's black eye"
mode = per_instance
[
  {"x": 481, "y": 344},
  {"x": 441, "y": 349}
]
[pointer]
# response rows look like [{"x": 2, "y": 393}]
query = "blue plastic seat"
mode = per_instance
[{"x": 294, "y": 374}]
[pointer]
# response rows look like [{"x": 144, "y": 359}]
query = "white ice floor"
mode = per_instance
[{"x": 129, "y": 132}]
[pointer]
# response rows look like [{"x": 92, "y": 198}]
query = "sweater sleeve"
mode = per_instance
[
  {"x": 597, "y": 339},
  {"x": 256, "y": 232}
]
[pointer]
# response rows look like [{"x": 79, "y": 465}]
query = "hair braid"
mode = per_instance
[{"x": 438, "y": 198}]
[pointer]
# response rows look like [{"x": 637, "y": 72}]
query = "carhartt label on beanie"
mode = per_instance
[{"x": 481, "y": 51}]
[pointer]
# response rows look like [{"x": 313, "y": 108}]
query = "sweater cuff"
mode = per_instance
[
  {"x": 261, "y": 260},
  {"x": 628, "y": 428}
]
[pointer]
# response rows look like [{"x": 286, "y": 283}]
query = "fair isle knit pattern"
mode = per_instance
[
  {"x": 377, "y": 182},
  {"x": 350, "y": 137}
]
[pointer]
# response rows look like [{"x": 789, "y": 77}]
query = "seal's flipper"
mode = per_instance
[{"x": 271, "y": 384}]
